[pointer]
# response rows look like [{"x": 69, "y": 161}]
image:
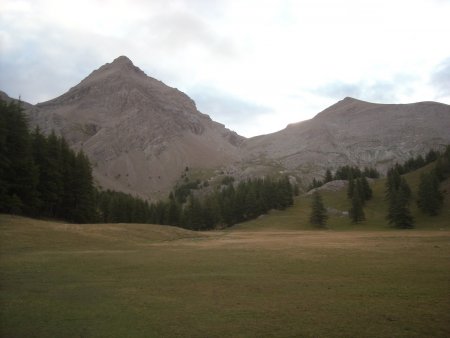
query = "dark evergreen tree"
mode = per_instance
[
  {"x": 351, "y": 186},
  {"x": 4, "y": 158},
  {"x": 399, "y": 214},
  {"x": 83, "y": 210},
  {"x": 328, "y": 176},
  {"x": 429, "y": 197},
  {"x": 173, "y": 211},
  {"x": 356, "y": 211},
  {"x": 315, "y": 184},
  {"x": 46, "y": 157},
  {"x": 392, "y": 182},
  {"x": 318, "y": 216},
  {"x": 193, "y": 215},
  {"x": 18, "y": 186},
  {"x": 365, "y": 188},
  {"x": 442, "y": 168},
  {"x": 431, "y": 156}
]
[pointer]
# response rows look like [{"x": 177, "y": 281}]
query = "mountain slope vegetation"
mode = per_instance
[{"x": 297, "y": 216}]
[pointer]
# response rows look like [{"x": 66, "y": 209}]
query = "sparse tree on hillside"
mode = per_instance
[
  {"x": 328, "y": 176},
  {"x": 399, "y": 214},
  {"x": 430, "y": 198},
  {"x": 356, "y": 211},
  {"x": 318, "y": 215},
  {"x": 351, "y": 186},
  {"x": 366, "y": 190}
]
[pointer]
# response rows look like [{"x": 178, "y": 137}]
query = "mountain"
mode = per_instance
[
  {"x": 354, "y": 132},
  {"x": 139, "y": 134}
]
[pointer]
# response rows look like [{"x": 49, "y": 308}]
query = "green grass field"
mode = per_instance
[{"x": 122, "y": 280}]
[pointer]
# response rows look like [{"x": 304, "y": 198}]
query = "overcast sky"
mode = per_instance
[{"x": 253, "y": 65}]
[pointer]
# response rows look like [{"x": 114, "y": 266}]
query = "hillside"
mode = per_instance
[
  {"x": 297, "y": 217},
  {"x": 64, "y": 236},
  {"x": 354, "y": 132}
]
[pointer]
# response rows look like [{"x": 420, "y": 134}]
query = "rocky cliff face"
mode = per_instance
[
  {"x": 139, "y": 133},
  {"x": 357, "y": 133}
]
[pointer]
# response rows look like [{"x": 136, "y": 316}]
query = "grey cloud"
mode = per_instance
[{"x": 441, "y": 78}]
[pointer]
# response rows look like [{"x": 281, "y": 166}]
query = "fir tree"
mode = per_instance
[
  {"x": 173, "y": 211},
  {"x": 366, "y": 190},
  {"x": 19, "y": 172},
  {"x": 430, "y": 198},
  {"x": 356, "y": 211},
  {"x": 351, "y": 186},
  {"x": 318, "y": 215},
  {"x": 399, "y": 214},
  {"x": 328, "y": 176}
]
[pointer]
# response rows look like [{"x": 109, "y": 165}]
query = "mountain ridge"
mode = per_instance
[{"x": 141, "y": 135}]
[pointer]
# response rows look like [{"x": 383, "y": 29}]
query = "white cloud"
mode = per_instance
[{"x": 291, "y": 57}]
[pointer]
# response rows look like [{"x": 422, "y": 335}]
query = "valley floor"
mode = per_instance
[{"x": 123, "y": 280}]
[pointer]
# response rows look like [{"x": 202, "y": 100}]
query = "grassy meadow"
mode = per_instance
[
  {"x": 124, "y": 280},
  {"x": 271, "y": 277}
]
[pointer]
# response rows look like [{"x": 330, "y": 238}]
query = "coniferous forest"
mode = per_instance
[{"x": 40, "y": 176}]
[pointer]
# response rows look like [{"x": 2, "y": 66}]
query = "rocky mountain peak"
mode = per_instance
[
  {"x": 139, "y": 133},
  {"x": 122, "y": 60}
]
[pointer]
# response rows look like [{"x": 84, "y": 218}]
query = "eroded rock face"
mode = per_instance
[
  {"x": 138, "y": 133},
  {"x": 354, "y": 132}
]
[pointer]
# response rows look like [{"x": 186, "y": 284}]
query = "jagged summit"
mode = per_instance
[{"x": 122, "y": 60}]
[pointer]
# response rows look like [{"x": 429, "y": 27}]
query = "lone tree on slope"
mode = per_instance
[{"x": 318, "y": 215}]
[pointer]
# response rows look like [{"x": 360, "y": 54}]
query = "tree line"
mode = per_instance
[
  {"x": 40, "y": 176},
  {"x": 398, "y": 193},
  {"x": 227, "y": 205},
  {"x": 429, "y": 197},
  {"x": 344, "y": 173}
]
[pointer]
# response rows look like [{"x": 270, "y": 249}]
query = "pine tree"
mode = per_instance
[
  {"x": 366, "y": 190},
  {"x": 193, "y": 215},
  {"x": 392, "y": 182},
  {"x": 318, "y": 215},
  {"x": 399, "y": 214},
  {"x": 351, "y": 187},
  {"x": 46, "y": 157},
  {"x": 356, "y": 211},
  {"x": 328, "y": 176},
  {"x": 19, "y": 172},
  {"x": 173, "y": 211},
  {"x": 4, "y": 159},
  {"x": 83, "y": 191},
  {"x": 430, "y": 198}
]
